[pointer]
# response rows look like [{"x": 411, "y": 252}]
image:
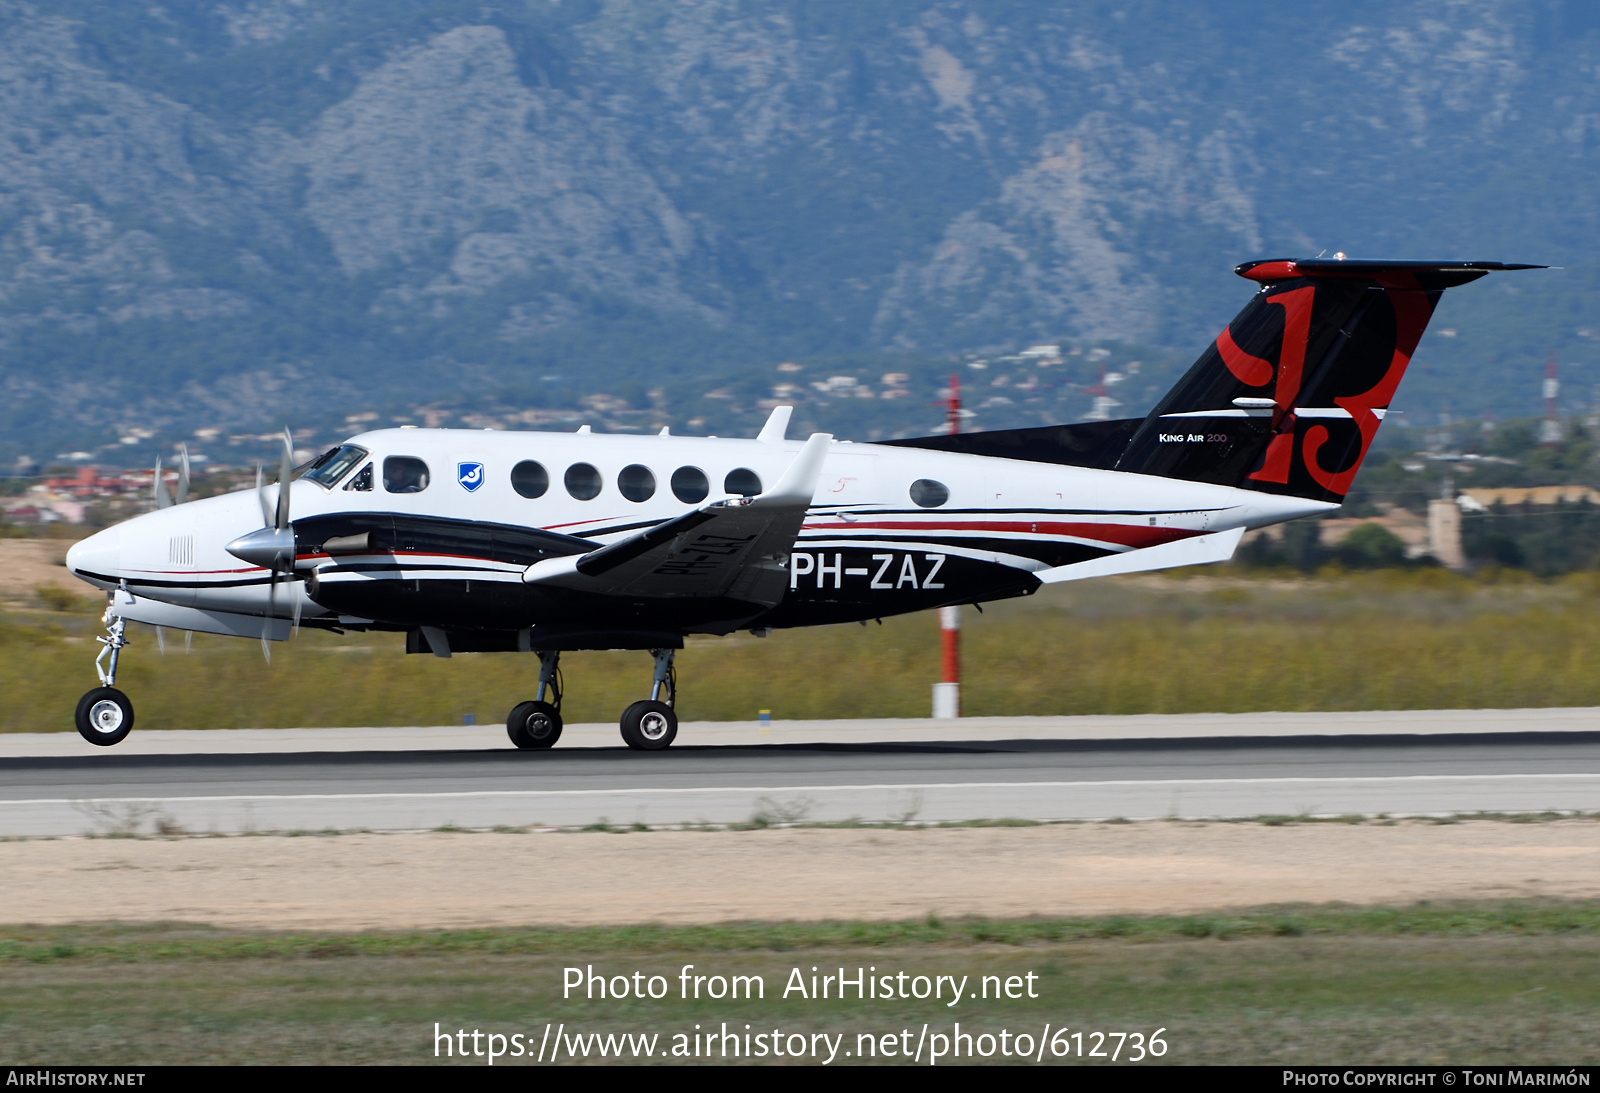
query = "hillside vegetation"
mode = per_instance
[{"x": 231, "y": 215}]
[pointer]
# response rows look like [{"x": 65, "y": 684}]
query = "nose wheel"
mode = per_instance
[
  {"x": 652, "y": 725},
  {"x": 105, "y": 715}
]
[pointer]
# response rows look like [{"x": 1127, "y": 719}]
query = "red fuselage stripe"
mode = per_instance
[{"x": 1132, "y": 535}]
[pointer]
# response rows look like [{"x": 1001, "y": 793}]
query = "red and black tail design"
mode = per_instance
[{"x": 1289, "y": 396}]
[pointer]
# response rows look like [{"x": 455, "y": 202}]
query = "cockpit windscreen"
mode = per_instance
[{"x": 334, "y": 464}]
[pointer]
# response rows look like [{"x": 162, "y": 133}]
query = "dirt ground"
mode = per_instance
[
  {"x": 440, "y": 879},
  {"x": 25, "y": 564}
]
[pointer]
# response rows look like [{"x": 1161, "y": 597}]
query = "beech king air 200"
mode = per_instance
[{"x": 470, "y": 541}]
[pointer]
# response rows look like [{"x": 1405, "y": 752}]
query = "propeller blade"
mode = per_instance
[
  {"x": 294, "y": 631},
  {"x": 261, "y": 496},
  {"x": 272, "y": 613},
  {"x": 183, "y": 473},
  {"x": 161, "y": 640},
  {"x": 284, "y": 471},
  {"x": 163, "y": 499}
]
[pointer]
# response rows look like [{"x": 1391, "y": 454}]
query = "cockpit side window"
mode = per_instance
[
  {"x": 362, "y": 481},
  {"x": 334, "y": 464},
  {"x": 404, "y": 474}
]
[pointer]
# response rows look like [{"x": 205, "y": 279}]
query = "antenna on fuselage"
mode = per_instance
[{"x": 777, "y": 427}]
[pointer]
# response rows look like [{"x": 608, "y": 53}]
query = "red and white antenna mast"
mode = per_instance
[{"x": 1550, "y": 429}]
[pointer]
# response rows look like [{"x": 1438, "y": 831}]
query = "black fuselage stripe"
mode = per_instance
[{"x": 155, "y": 583}]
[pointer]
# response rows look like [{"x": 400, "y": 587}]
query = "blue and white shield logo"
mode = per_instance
[{"x": 470, "y": 475}]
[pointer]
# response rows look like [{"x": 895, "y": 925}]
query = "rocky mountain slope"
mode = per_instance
[{"x": 235, "y": 213}]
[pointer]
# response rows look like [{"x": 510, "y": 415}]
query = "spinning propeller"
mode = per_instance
[
  {"x": 272, "y": 547},
  {"x": 163, "y": 498}
]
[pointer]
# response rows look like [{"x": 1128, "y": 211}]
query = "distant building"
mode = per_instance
[{"x": 1444, "y": 533}]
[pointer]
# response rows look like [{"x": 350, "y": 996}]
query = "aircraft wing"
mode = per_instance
[{"x": 735, "y": 549}]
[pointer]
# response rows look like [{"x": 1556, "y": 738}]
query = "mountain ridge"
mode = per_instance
[{"x": 209, "y": 209}]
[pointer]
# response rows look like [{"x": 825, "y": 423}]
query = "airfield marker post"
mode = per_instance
[{"x": 947, "y": 694}]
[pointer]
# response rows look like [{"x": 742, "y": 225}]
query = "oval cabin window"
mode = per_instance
[
  {"x": 743, "y": 481},
  {"x": 636, "y": 482},
  {"x": 929, "y": 494},
  {"x": 530, "y": 479},
  {"x": 583, "y": 481},
  {"x": 404, "y": 474},
  {"x": 690, "y": 485}
]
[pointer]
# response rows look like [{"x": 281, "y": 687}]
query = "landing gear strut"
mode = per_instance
[
  {"x": 537, "y": 724},
  {"x": 105, "y": 715},
  {"x": 652, "y": 724}
]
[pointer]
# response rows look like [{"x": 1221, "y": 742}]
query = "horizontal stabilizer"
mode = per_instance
[
  {"x": 1417, "y": 273},
  {"x": 1201, "y": 550}
]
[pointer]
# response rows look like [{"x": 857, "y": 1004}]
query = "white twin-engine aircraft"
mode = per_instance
[{"x": 471, "y": 541}]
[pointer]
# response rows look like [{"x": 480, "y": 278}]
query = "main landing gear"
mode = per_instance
[
  {"x": 537, "y": 724},
  {"x": 105, "y": 715},
  {"x": 652, "y": 724},
  {"x": 647, "y": 725}
]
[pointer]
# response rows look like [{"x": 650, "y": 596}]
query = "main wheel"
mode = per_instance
[
  {"x": 104, "y": 716},
  {"x": 649, "y": 725},
  {"x": 534, "y": 725}
]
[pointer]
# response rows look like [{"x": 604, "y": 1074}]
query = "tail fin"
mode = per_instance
[
  {"x": 1290, "y": 395},
  {"x": 1286, "y": 400}
]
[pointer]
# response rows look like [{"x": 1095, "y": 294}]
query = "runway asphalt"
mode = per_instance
[{"x": 1417, "y": 762}]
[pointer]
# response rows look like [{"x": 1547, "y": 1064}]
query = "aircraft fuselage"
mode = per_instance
[{"x": 438, "y": 553}]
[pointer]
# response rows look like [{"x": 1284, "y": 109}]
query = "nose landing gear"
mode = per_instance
[
  {"x": 537, "y": 724},
  {"x": 105, "y": 715},
  {"x": 652, "y": 724}
]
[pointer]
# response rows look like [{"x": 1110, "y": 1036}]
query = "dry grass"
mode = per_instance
[
  {"x": 1328, "y": 986},
  {"x": 1397, "y": 640}
]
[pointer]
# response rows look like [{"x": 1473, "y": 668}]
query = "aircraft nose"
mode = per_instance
[{"x": 97, "y": 559}]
